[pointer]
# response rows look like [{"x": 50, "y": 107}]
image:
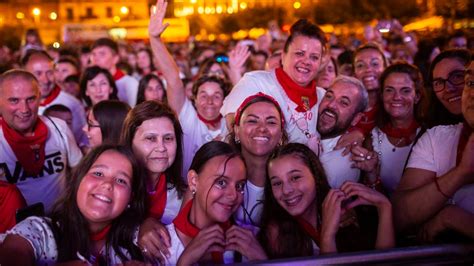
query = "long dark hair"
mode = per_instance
[
  {"x": 110, "y": 114},
  {"x": 154, "y": 109},
  {"x": 293, "y": 241},
  {"x": 438, "y": 114},
  {"x": 144, "y": 83},
  {"x": 89, "y": 74},
  {"x": 70, "y": 228}
]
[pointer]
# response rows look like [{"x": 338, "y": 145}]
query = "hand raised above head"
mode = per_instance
[{"x": 157, "y": 15}]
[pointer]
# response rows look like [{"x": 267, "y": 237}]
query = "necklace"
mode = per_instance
[{"x": 399, "y": 141}]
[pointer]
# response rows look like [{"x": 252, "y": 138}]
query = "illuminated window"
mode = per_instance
[
  {"x": 69, "y": 13},
  {"x": 109, "y": 12}
]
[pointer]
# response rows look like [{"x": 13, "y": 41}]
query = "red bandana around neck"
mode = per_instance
[
  {"x": 54, "y": 93},
  {"x": 182, "y": 223},
  {"x": 28, "y": 150},
  {"x": 309, "y": 229},
  {"x": 101, "y": 234},
  {"x": 118, "y": 74},
  {"x": 401, "y": 133},
  {"x": 304, "y": 97},
  {"x": 463, "y": 138},
  {"x": 157, "y": 199},
  {"x": 213, "y": 123}
]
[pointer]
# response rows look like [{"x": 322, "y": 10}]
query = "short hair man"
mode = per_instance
[
  {"x": 105, "y": 55},
  {"x": 34, "y": 151},
  {"x": 341, "y": 108}
]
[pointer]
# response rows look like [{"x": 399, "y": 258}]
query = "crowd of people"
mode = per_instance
[{"x": 282, "y": 147}]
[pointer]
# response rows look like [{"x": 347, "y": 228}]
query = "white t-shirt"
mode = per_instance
[
  {"x": 392, "y": 159},
  {"x": 173, "y": 205},
  {"x": 60, "y": 151},
  {"x": 37, "y": 231},
  {"x": 127, "y": 90},
  {"x": 301, "y": 127},
  {"x": 337, "y": 167},
  {"x": 249, "y": 214},
  {"x": 436, "y": 151},
  {"x": 78, "y": 115},
  {"x": 195, "y": 134}
]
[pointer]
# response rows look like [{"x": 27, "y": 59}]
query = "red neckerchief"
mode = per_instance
[
  {"x": 367, "y": 123},
  {"x": 101, "y": 234},
  {"x": 182, "y": 223},
  {"x": 118, "y": 74},
  {"x": 304, "y": 97},
  {"x": 465, "y": 133},
  {"x": 309, "y": 229},
  {"x": 157, "y": 199},
  {"x": 213, "y": 123},
  {"x": 401, "y": 133},
  {"x": 28, "y": 150},
  {"x": 54, "y": 93}
]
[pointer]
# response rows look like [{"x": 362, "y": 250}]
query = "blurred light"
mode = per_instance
[
  {"x": 116, "y": 19},
  {"x": 36, "y": 11},
  {"x": 219, "y": 9},
  {"x": 20, "y": 15},
  {"x": 230, "y": 10},
  {"x": 200, "y": 10},
  {"x": 193, "y": 1},
  {"x": 56, "y": 45},
  {"x": 286, "y": 28},
  {"x": 243, "y": 5},
  {"x": 124, "y": 10},
  {"x": 198, "y": 37},
  {"x": 297, "y": 5},
  {"x": 384, "y": 30},
  {"x": 118, "y": 33},
  {"x": 53, "y": 16},
  {"x": 207, "y": 10},
  {"x": 212, "y": 37}
]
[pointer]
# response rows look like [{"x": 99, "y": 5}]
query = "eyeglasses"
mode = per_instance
[
  {"x": 455, "y": 78},
  {"x": 89, "y": 125}
]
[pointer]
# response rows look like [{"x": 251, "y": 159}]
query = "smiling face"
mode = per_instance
[
  {"x": 219, "y": 189},
  {"x": 209, "y": 100},
  {"x": 43, "y": 70},
  {"x": 154, "y": 144},
  {"x": 327, "y": 75},
  {"x": 260, "y": 129},
  {"x": 154, "y": 91},
  {"x": 450, "y": 96},
  {"x": 368, "y": 66},
  {"x": 105, "y": 190},
  {"x": 399, "y": 96},
  {"x": 293, "y": 185},
  {"x": 302, "y": 60},
  {"x": 98, "y": 89}
]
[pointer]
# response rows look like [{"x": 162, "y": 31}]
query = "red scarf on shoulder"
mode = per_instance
[
  {"x": 304, "y": 97},
  {"x": 28, "y": 150},
  {"x": 401, "y": 133},
  {"x": 182, "y": 223},
  {"x": 118, "y": 74},
  {"x": 213, "y": 122},
  {"x": 309, "y": 229},
  {"x": 157, "y": 199},
  {"x": 465, "y": 134},
  {"x": 53, "y": 95}
]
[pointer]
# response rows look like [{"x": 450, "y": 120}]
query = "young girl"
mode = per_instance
[
  {"x": 203, "y": 229},
  {"x": 95, "y": 221},
  {"x": 301, "y": 216}
]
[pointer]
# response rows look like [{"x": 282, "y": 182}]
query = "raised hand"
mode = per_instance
[
  {"x": 238, "y": 56},
  {"x": 209, "y": 239},
  {"x": 364, "y": 196},
  {"x": 157, "y": 15}
]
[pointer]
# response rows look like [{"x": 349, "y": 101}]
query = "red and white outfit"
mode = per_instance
[
  {"x": 10, "y": 201},
  {"x": 300, "y": 125},
  {"x": 60, "y": 151},
  {"x": 437, "y": 151},
  {"x": 127, "y": 88},
  {"x": 164, "y": 201},
  {"x": 77, "y": 109}
]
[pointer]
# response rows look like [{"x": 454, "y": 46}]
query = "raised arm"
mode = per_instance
[
  {"x": 175, "y": 91},
  {"x": 237, "y": 58}
]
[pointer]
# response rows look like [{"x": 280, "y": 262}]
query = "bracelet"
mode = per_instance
[
  {"x": 450, "y": 199},
  {"x": 375, "y": 184}
]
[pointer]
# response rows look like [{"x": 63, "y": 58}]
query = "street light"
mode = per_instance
[
  {"x": 297, "y": 5},
  {"x": 36, "y": 14},
  {"x": 53, "y": 16},
  {"x": 124, "y": 10},
  {"x": 20, "y": 15}
]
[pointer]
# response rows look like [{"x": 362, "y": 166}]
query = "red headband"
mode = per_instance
[{"x": 246, "y": 102}]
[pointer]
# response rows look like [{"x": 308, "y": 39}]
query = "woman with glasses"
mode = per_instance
[{"x": 436, "y": 191}]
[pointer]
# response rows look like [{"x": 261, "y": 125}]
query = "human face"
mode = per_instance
[
  {"x": 327, "y": 75},
  {"x": 219, "y": 190},
  {"x": 92, "y": 130},
  {"x": 302, "y": 60},
  {"x": 260, "y": 129},
  {"x": 216, "y": 70},
  {"x": 104, "y": 57},
  {"x": 209, "y": 100},
  {"x": 258, "y": 62},
  {"x": 154, "y": 91},
  {"x": 105, "y": 190},
  {"x": 63, "y": 70},
  {"x": 337, "y": 110},
  {"x": 65, "y": 116},
  {"x": 143, "y": 60},
  {"x": 468, "y": 96},
  {"x": 368, "y": 66},
  {"x": 43, "y": 71},
  {"x": 458, "y": 42},
  {"x": 98, "y": 88},
  {"x": 293, "y": 186},
  {"x": 154, "y": 144},
  {"x": 399, "y": 96},
  {"x": 450, "y": 97},
  {"x": 19, "y": 104}
]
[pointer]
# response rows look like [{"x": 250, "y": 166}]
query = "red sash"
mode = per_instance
[
  {"x": 28, "y": 150},
  {"x": 213, "y": 122},
  {"x": 54, "y": 93},
  {"x": 118, "y": 74},
  {"x": 157, "y": 199},
  {"x": 304, "y": 97},
  {"x": 401, "y": 133},
  {"x": 101, "y": 234}
]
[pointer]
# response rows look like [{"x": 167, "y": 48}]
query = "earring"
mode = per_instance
[
  {"x": 237, "y": 140},
  {"x": 128, "y": 206},
  {"x": 193, "y": 192}
]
